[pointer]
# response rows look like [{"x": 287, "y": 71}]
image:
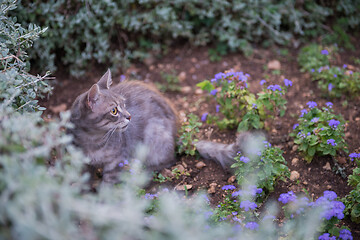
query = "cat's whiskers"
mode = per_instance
[
  {"x": 108, "y": 135},
  {"x": 112, "y": 132}
]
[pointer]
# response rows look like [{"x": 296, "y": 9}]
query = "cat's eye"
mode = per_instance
[{"x": 114, "y": 111}]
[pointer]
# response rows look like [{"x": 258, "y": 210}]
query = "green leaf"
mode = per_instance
[{"x": 206, "y": 85}]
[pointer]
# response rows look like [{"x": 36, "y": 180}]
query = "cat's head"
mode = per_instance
[{"x": 100, "y": 108}]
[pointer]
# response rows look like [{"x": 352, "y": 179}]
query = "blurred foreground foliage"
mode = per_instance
[
  {"x": 117, "y": 32},
  {"x": 43, "y": 190}
]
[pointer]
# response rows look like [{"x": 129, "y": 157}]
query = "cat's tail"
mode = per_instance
[{"x": 224, "y": 154}]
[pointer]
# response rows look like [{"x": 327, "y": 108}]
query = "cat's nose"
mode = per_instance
[{"x": 128, "y": 117}]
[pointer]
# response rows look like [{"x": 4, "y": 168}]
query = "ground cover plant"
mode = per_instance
[
  {"x": 319, "y": 131},
  {"x": 46, "y": 195},
  {"x": 334, "y": 81},
  {"x": 116, "y": 32}
]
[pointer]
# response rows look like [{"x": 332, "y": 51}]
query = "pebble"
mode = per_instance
[
  {"x": 294, "y": 175},
  {"x": 200, "y": 165},
  {"x": 274, "y": 65},
  {"x": 180, "y": 168},
  {"x": 231, "y": 179},
  {"x": 167, "y": 173},
  {"x": 295, "y": 161},
  {"x": 182, "y": 76},
  {"x": 186, "y": 89},
  {"x": 341, "y": 160},
  {"x": 182, "y": 187},
  {"x": 199, "y": 91},
  {"x": 327, "y": 166},
  {"x": 212, "y": 188},
  {"x": 294, "y": 148}
]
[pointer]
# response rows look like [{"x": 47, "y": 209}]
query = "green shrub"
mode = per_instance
[
  {"x": 319, "y": 132},
  {"x": 187, "y": 139},
  {"x": 114, "y": 32},
  {"x": 352, "y": 200},
  {"x": 333, "y": 81},
  {"x": 266, "y": 165},
  {"x": 239, "y": 108}
]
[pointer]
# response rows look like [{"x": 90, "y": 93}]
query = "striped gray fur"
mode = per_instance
[{"x": 144, "y": 117}]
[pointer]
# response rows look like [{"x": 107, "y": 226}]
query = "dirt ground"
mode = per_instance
[{"x": 192, "y": 66}]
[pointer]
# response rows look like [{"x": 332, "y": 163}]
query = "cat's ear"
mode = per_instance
[
  {"x": 105, "y": 81},
  {"x": 93, "y": 96}
]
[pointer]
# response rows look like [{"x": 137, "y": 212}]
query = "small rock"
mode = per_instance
[
  {"x": 186, "y": 89},
  {"x": 294, "y": 175},
  {"x": 328, "y": 187},
  {"x": 348, "y": 134},
  {"x": 357, "y": 119},
  {"x": 274, "y": 65},
  {"x": 182, "y": 187},
  {"x": 327, "y": 166},
  {"x": 180, "y": 168},
  {"x": 295, "y": 161},
  {"x": 305, "y": 183},
  {"x": 59, "y": 108},
  {"x": 351, "y": 67},
  {"x": 231, "y": 179},
  {"x": 184, "y": 164},
  {"x": 200, "y": 165},
  {"x": 199, "y": 91},
  {"x": 294, "y": 148},
  {"x": 212, "y": 188},
  {"x": 167, "y": 173},
  {"x": 182, "y": 76}
]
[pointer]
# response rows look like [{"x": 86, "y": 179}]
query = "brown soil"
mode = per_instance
[{"x": 193, "y": 66}]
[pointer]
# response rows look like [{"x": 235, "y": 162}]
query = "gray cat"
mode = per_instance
[{"x": 112, "y": 121}]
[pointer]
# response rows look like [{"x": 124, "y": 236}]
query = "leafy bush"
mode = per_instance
[
  {"x": 114, "y": 32},
  {"x": 319, "y": 131},
  {"x": 186, "y": 141},
  {"x": 266, "y": 165},
  {"x": 239, "y": 107},
  {"x": 334, "y": 81},
  {"x": 352, "y": 200}
]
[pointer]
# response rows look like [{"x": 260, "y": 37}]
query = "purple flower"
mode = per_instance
[
  {"x": 345, "y": 234},
  {"x": 122, "y": 78},
  {"x": 330, "y": 87},
  {"x": 311, "y": 104},
  {"x": 254, "y": 105},
  {"x": 350, "y": 72},
  {"x": 324, "y": 52},
  {"x": 244, "y": 159},
  {"x": 329, "y": 104},
  {"x": 287, "y": 82},
  {"x": 344, "y": 66},
  {"x": 228, "y": 187},
  {"x": 217, "y": 108},
  {"x": 331, "y": 142},
  {"x": 150, "y": 196},
  {"x": 312, "y": 70},
  {"x": 335, "y": 75},
  {"x": 247, "y": 205},
  {"x": 326, "y": 236},
  {"x": 274, "y": 88},
  {"x": 252, "y": 225},
  {"x": 213, "y": 92},
  {"x": 330, "y": 195},
  {"x": 314, "y": 120},
  {"x": 208, "y": 214},
  {"x": 303, "y": 112},
  {"x": 219, "y": 76},
  {"x": 287, "y": 197},
  {"x": 234, "y": 213},
  {"x": 354, "y": 155},
  {"x": 204, "y": 116},
  {"x": 330, "y": 208},
  {"x": 262, "y": 82},
  {"x": 334, "y": 123}
]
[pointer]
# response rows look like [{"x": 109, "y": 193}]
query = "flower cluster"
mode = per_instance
[
  {"x": 249, "y": 191},
  {"x": 354, "y": 155},
  {"x": 287, "y": 197},
  {"x": 228, "y": 187},
  {"x": 247, "y": 205},
  {"x": 319, "y": 131}
]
